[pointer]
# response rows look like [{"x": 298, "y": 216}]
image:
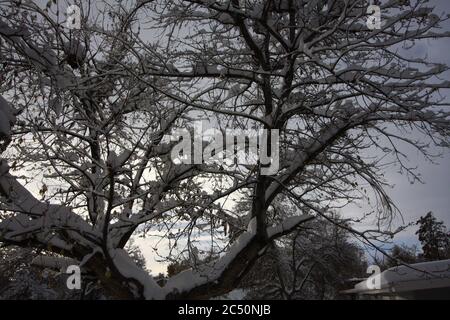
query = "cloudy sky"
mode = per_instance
[{"x": 434, "y": 195}]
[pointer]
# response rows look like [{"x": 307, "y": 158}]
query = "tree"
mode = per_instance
[
  {"x": 20, "y": 281},
  {"x": 434, "y": 238},
  {"x": 27, "y": 274},
  {"x": 313, "y": 263},
  {"x": 398, "y": 254},
  {"x": 84, "y": 113}
]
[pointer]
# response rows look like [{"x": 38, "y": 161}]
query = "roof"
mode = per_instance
[{"x": 405, "y": 278}]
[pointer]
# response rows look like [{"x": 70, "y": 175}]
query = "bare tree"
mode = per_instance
[
  {"x": 84, "y": 113},
  {"x": 314, "y": 262}
]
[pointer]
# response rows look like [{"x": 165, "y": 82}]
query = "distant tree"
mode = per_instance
[
  {"x": 176, "y": 267},
  {"x": 434, "y": 237},
  {"x": 315, "y": 263},
  {"x": 399, "y": 254},
  {"x": 136, "y": 254}
]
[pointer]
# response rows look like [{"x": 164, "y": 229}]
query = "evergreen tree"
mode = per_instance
[{"x": 434, "y": 238}]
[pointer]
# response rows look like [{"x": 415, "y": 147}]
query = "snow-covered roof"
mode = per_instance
[{"x": 404, "y": 278}]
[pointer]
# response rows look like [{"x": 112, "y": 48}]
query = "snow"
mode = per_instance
[
  {"x": 47, "y": 216},
  {"x": 128, "y": 268},
  {"x": 414, "y": 272},
  {"x": 43, "y": 57},
  {"x": 188, "y": 279},
  {"x": 184, "y": 281},
  {"x": 242, "y": 241},
  {"x": 287, "y": 224},
  {"x": 56, "y": 263}
]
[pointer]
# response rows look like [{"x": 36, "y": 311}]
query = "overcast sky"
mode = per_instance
[{"x": 434, "y": 195}]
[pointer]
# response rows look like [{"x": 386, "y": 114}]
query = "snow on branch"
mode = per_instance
[
  {"x": 35, "y": 219},
  {"x": 287, "y": 225},
  {"x": 189, "y": 279},
  {"x": 128, "y": 268},
  {"x": 55, "y": 263},
  {"x": 40, "y": 56}
]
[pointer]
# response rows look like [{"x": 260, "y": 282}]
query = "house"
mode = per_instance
[{"x": 426, "y": 280}]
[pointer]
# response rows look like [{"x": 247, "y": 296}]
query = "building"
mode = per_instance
[{"x": 426, "y": 280}]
